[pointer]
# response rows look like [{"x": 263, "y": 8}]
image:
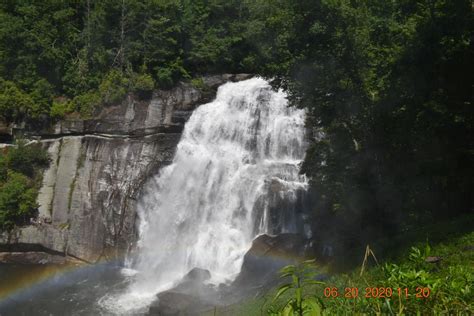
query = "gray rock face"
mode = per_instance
[{"x": 89, "y": 192}]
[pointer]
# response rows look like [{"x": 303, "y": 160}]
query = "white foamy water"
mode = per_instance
[{"x": 237, "y": 159}]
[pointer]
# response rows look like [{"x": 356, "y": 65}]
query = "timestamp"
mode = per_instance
[{"x": 376, "y": 292}]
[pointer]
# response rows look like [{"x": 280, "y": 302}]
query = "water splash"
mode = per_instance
[{"x": 235, "y": 175}]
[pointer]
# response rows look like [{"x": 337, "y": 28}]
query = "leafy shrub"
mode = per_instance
[
  {"x": 143, "y": 85},
  {"x": 60, "y": 108},
  {"x": 17, "y": 200},
  {"x": 164, "y": 77},
  {"x": 449, "y": 282},
  {"x": 26, "y": 159},
  {"x": 42, "y": 95},
  {"x": 113, "y": 87},
  {"x": 14, "y": 103},
  {"x": 167, "y": 75},
  {"x": 298, "y": 303},
  {"x": 86, "y": 103},
  {"x": 198, "y": 83},
  {"x": 19, "y": 169}
]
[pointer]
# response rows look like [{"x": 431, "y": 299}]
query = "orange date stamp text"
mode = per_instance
[{"x": 376, "y": 292}]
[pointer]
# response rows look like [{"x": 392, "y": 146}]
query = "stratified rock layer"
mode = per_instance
[{"x": 89, "y": 192}]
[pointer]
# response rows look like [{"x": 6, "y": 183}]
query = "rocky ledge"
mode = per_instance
[{"x": 98, "y": 166}]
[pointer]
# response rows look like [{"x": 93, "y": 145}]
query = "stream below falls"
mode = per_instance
[{"x": 234, "y": 176}]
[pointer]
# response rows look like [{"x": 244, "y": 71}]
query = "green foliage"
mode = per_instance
[
  {"x": 60, "y": 108},
  {"x": 302, "y": 275},
  {"x": 113, "y": 87},
  {"x": 449, "y": 282},
  {"x": 17, "y": 200},
  {"x": 388, "y": 103},
  {"x": 143, "y": 85},
  {"x": 15, "y": 104},
  {"x": 42, "y": 95},
  {"x": 19, "y": 175},
  {"x": 26, "y": 159},
  {"x": 87, "y": 103},
  {"x": 198, "y": 83},
  {"x": 387, "y": 86}
]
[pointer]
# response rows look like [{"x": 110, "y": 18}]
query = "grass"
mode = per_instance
[{"x": 445, "y": 287}]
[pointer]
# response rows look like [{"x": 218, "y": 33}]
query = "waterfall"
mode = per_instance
[{"x": 235, "y": 175}]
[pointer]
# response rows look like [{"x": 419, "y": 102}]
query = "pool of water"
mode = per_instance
[{"x": 58, "y": 290}]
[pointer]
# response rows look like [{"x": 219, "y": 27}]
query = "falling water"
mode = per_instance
[{"x": 235, "y": 166}]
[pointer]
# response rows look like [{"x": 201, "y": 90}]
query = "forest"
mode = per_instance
[{"x": 387, "y": 87}]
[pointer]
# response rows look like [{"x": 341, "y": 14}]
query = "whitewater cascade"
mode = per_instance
[{"x": 238, "y": 157}]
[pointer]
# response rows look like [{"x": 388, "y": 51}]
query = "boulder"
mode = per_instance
[
  {"x": 267, "y": 255},
  {"x": 171, "y": 303},
  {"x": 189, "y": 297},
  {"x": 197, "y": 275}
]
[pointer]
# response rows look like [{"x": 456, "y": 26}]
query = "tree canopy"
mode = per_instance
[{"x": 387, "y": 85}]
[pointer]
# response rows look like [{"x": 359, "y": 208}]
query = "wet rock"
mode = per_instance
[
  {"x": 240, "y": 77},
  {"x": 197, "y": 275},
  {"x": 194, "y": 283},
  {"x": 267, "y": 255},
  {"x": 190, "y": 296},
  {"x": 173, "y": 304}
]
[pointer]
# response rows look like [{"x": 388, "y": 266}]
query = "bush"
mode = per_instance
[
  {"x": 17, "y": 200},
  {"x": 86, "y": 103},
  {"x": 26, "y": 159},
  {"x": 143, "y": 85},
  {"x": 167, "y": 75},
  {"x": 113, "y": 87},
  {"x": 19, "y": 182},
  {"x": 60, "y": 108},
  {"x": 42, "y": 95},
  {"x": 198, "y": 83},
  {"x": 14, "y": 103}
]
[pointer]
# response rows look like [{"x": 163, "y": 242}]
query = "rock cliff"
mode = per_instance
[{"x": 89, "y": 192}]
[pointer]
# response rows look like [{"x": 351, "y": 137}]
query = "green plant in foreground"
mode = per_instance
[
  {"x": 446, "y": 284},
  {"x": 301, "y": 275}
]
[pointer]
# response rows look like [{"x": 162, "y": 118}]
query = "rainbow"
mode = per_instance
[{"x": 20, "y": 282}]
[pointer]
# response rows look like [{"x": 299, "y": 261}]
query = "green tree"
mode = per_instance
[
  {"x": 114, "y": 87},
  {"x": 26, "y": 159},
  {"x": 17, "y": 200},
  {"x": 15, "y": 104}
]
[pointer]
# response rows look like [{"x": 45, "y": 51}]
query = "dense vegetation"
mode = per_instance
[
  {"x": 387, "y": 86},
  {"x": 444, "y": 287},
  {"x": 59, "y": 57},
  {"x": 19, "y": 182}
]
